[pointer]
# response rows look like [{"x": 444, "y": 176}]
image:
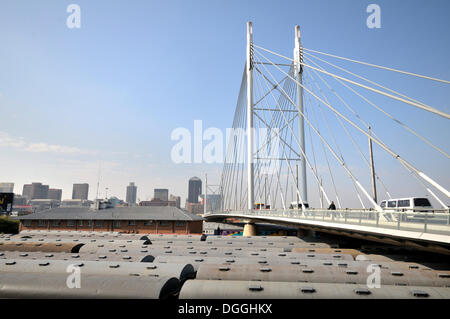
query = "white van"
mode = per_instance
[{"x": 411, "y": 204}]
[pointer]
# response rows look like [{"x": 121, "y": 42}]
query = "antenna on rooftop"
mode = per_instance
[{"x": 98, "y": 179}]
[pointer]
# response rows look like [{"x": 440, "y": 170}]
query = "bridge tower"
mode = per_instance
[
  {"x": 298, "y": 60},
  {"x": 250, "y": 130}
]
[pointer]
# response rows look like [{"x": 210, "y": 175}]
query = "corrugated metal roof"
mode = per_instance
[{"x": 117, "y": 213}]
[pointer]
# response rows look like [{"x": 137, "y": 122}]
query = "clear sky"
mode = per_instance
[{"x": 112, "y": 91}]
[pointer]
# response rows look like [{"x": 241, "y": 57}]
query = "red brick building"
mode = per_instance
[{"x": 134, "y": 219}]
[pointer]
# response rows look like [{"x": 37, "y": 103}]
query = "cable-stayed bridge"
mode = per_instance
[{"x": 287, "y": 103}]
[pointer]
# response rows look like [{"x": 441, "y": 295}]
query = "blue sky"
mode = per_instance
[{"x": 112, "y": 91}]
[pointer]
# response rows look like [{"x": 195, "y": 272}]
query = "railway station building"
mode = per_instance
[{"x": 132, "y": 219}]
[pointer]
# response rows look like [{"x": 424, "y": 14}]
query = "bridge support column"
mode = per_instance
[
  {"x": 302, "y": 233},
  {"x": 249, "y": 229}
]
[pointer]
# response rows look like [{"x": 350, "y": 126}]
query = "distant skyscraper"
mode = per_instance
[
  {"x": 195, "y": 189},
  {"x": 162, "y": 194},
  {"x": 176, "y": 199},
  {"x": 6, "y": 187},
  {"x": 80, "y": 191},
  {"x": 35, "y": 191},
  {"x": 212, "y": 202},
  {"x": 55, "y": 194},
  {"x": 27, "y": 191},
  {"x": 131, "y": 193}
]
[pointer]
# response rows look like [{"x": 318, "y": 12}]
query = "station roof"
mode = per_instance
[{"x": 117, "y": 213}]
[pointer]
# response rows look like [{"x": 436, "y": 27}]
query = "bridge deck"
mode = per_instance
[{"x": 433, "y": 227}]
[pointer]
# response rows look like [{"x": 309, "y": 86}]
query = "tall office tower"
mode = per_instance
[
  {"x": 26, "y": 193},
  {"x": 80, "y": 191},
  {"x": 35, "y": 191},
  {"x": 212, "y": 202},
  {"x": 131, "y": 193},
  {"x": 161, "y": 194},
  {"x": 55, "y": 194},
  {"x": 195, "y": 189},
  {"x": 176, "y": 199},
  {"x": 6, "y": 187}
]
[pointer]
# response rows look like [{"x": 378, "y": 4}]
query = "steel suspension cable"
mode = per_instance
[{"x": 384, "y": 146}]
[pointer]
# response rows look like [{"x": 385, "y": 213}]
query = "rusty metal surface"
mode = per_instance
[
  {"x": 221, "y": 289},
  {"x": 54, "y": 286}
]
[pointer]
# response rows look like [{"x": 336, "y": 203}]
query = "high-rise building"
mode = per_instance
[
  {"x": 194, "y": 208},
  {"x": 131, "y": 194},
  {"x": 54, "y": 193},
  {"x": 6, "y": 187},
  {"x": 212, "y": 202},
  {"x": 80, "y": 191},
  {"x": 162, "y": 194},
  {"x": 176, "y": 199},
  {"x": 26, "y": 193},
  {"x": 195, "y": 189},
  {"x": 35, "y": 191}
]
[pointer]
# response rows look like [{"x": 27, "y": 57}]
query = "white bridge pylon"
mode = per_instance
[{"x": 288, "y": 129}]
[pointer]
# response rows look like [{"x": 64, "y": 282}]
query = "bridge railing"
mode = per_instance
[{"x": 437, "y": 222}]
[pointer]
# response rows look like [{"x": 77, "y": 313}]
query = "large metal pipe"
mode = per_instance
[
  {"x": 198, "y": 261},
  {"x": 212, "y": 252},
  {"x": 111, "y": 235},
  {"x": 231, "y": 243},
  {"x": 372, "y": 257},
  {"x": 255, "y": 238},
  {"x": 54, "y": 286},
  {"x": 76, "y": 240},
  {"x": 35, "y": 231},
  {"x": 322, "y": 274},
  {"x": 180, "y": 271},
  {"x": 193, "y": 237},
  {"x": 40, "y": 246},
  {"x": 220, "y": 289},
  {"x": 81, "y": 236},
  {"x": 196, "y": 247},
  {"x": 352, "y": 252},
  {"x": 78, "y": 256}
]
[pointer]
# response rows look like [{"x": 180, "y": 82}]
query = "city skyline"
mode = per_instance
[{"x": 53, "y": 192}]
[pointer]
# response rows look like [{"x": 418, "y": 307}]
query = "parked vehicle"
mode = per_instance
[{"x": 410, "y": 204}]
